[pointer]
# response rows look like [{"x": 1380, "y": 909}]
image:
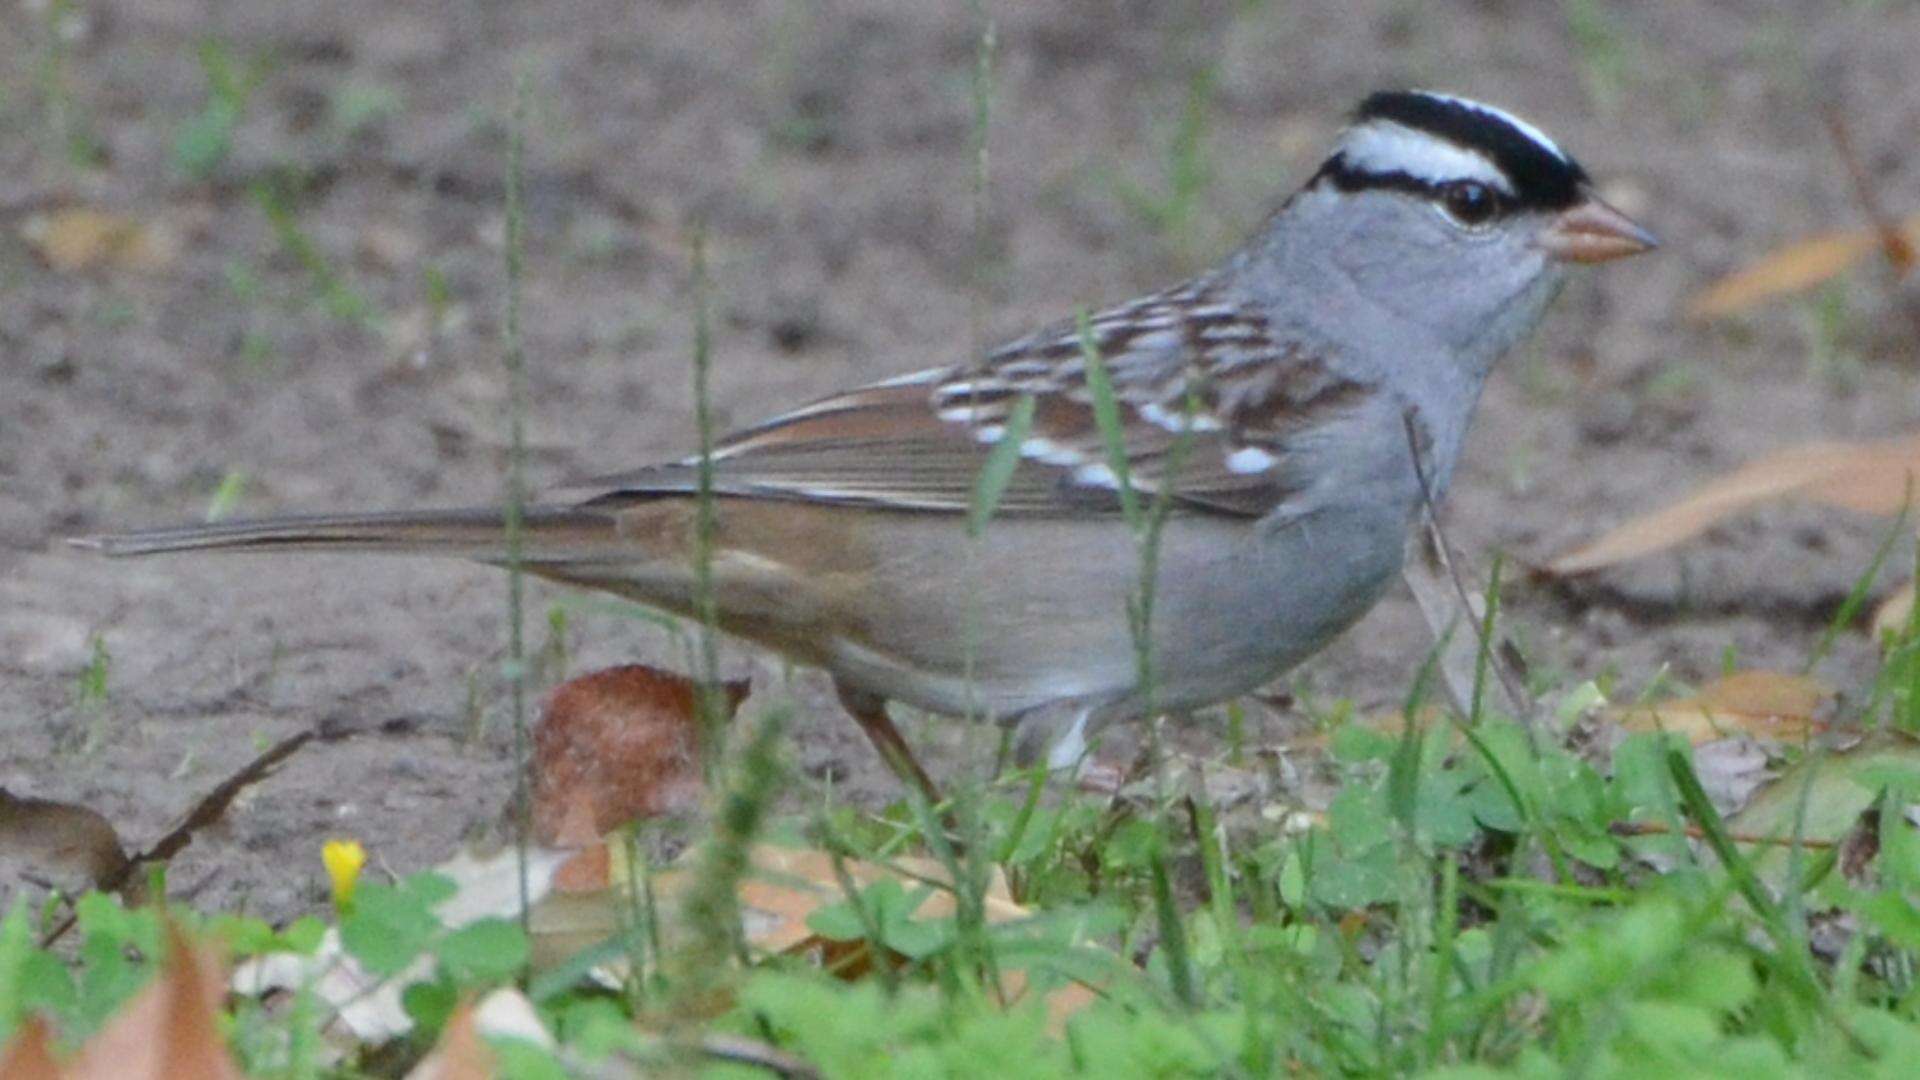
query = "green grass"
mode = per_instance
[
  {"x": 1176, "y": 209},
  {"x": 1607, "y": 55},
  {"x": 204, "y": 140},
  {"x": 1413, "y": 930},
  {"x": 65, "y": 125}
]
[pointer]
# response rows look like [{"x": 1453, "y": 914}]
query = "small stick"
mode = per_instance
[
  {"x": 1694, "y": 832},
  {"x": 1436, "y": 562},
  {"x": 1893, "y": 242}
]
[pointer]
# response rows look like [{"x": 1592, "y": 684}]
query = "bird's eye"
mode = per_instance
[{"x": 1469, "y": 202}]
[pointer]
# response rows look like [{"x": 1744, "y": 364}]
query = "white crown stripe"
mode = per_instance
[
  {"x": 1518, "y": 124},
  {"x": 1383, "y": 146}
]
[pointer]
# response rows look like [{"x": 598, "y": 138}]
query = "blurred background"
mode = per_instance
[{"x": 251, "y": 262}]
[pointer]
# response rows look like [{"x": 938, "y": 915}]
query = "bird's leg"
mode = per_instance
[{"x": 870, "y": 712}]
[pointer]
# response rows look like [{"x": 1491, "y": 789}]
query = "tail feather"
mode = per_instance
[{"x": 475, "y": 533}]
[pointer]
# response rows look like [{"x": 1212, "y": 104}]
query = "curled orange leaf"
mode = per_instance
[
  {"x": 1873, "y": 478},
  {"x": 1763, "y": 704},
  {"x": 1796, "y": 268}
]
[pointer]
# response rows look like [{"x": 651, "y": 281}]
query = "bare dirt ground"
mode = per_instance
[{"x": 826, "y": 146}]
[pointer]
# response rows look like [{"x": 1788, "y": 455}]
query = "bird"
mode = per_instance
[{"x": 1250, "y": 447}]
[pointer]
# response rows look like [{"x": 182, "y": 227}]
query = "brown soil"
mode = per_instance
[{"x": 825, "y": 146}]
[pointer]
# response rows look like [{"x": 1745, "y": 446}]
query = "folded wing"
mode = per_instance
[{"x": 1213, "y": 412}]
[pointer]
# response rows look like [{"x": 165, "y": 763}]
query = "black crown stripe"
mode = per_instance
[{"x": 1541, "y": 178}]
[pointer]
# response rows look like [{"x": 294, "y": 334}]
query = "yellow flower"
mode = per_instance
[{"x": 343, "y": 859}]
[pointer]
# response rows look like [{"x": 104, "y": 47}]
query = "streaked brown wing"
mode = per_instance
[
  {"x": 879, "y": 446},
  {"x": 1201, "y": 389}
]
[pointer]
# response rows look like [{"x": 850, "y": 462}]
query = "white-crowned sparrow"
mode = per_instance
[{"x": 1287, "y": 388}]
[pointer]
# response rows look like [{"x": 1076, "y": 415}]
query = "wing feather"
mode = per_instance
[{"x": 1212, "y": 406}]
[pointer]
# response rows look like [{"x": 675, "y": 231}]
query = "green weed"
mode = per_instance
[
  {"x": 204, "y": 141},
  {"x": 1175, "y": 211}
]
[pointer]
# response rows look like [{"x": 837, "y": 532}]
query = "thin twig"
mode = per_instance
[
  {"x": 706, "y": 524},
  {"x": 1694, "y": 832},
  {"x": 1893, "y": 242},
  {"x": 208, "y": 809},
  {"x": 741, "y": 1050},
  {"x": 1518, "y": 700}
]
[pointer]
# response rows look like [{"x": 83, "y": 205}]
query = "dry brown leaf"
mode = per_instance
[
  {"x": 170, "y": 1029},
  {"x": 787, "y": 885},
  {"x": 626, "y": 740},
  {"x": 1763, "y": 704},
  {"x": 506, "y": 1013},
  {"x": 1893, "y": 613},
  {"x": 1819, "y": 800},
  {"x": 1391, "y": 723},
  {"x": 782, "y": 888},
  {"x": 83, "y": 239},
  {"x": 62, "y": 839},
  {"x": 460, "y": 1054},
  {"x": 1065, "y": 1002},
  {"x": 589, "y": 871},
  {"x": 29, "y": 1054},
  {"x": 368, "y": 1008},
  {"x": 1793, "y": 268},
  {"x": 1868, "y": 477}
]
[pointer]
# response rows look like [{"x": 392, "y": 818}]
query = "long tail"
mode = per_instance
[{"x": 553, "y": 533}]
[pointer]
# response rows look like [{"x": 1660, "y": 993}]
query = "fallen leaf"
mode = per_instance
[
  {"x": 83, "y": 239},
  {"x": 460, "y": 1054},
  {"x": 1867, "y": 477},
  {"x": 61, "y": 839},
  {"x": 591, "y": 900},
  {"x": 1793, "y": 268},
  {"x": 1821, "y": 798},
  {"x": 1731, "y": 770},
  {"x": 170, "y": 1029},
  {"x": 29, "y": 1054},
  {"x": 506, "y": 1013},
  {"x": 368, "y": 1008},
  {"x": 787, "y": 885},
  {"x": 1066, "y": 1001},
  {"x": 1389, "y": 723},
  {"x": 1762, "y": 704},
  {"x": 1893, "y": 614},
  {"x": 624, "y": 740}
]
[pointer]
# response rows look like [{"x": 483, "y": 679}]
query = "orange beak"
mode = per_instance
[{"x": 1591, "y": 232}]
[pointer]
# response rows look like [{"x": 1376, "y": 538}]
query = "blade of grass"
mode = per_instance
[
  {"x": 712, "y": 698},
  {"x": 1403, "y": 769},
  {"x": 869, "y": 926},
  {"x": 1849, "y": 609},
  {"x": 981, "y": 87},
  {"x": 1023, "y": 820},
  {"x": 1789, "y": 955},
  {"x": 516, "y": 481},
  {"x": 1173, "y": 933},
  {"x": 998, "y": 471},
  {"x": 1106, "y": 416},
  {"x": 969, "y": 872},
  {"x": 712, "y": 905}
]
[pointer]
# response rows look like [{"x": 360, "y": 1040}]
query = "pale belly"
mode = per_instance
[{"x": 1235, "y": 605}]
